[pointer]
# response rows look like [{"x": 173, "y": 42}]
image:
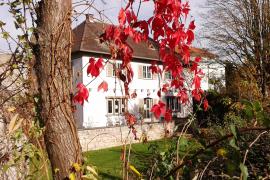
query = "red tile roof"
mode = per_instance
[{"x": 86, "y": 39}]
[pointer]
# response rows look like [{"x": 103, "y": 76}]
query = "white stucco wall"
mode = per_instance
[
  {"x": 77, "y": 78},
  {"x": 211, "y": 69}
]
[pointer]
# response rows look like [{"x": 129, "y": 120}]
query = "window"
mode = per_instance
[
  {"x": 116, "y": 106},
  {"x": 147, "y": 72},
  {"x": 168, "y": 75},
  {"x": 116, "y": 67},
  {"x": 173, "y": 103},
  {"x": 148, "y": 103},
  {"x": 110, "y": 106}
]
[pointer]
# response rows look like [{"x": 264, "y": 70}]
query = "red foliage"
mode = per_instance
[
  {"x": 158, "y": 109},
  {"x": 183, "y": 96},
  {"x": 131, "y": 121},
  {"x": 205, "y": 104},
  {"x": 130, "y": 118},
  {"x": 82, "y": 94},
  {"x": 154, "y": 68},
  {"x": 95, "y": 67},
  {"x": 104, "y": 86},
  {"x": 168, "y": 115}
]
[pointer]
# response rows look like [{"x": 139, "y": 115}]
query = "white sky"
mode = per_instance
[{"x": 110, "y": 9}]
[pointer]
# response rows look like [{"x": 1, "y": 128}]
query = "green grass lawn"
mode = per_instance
[{"x": 109, "y": 165}]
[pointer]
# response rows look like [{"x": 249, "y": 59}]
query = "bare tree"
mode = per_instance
[{"x": 240, "y": 32}]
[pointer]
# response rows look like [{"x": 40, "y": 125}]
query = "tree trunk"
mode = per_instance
[{"x": 53, "y": 70}]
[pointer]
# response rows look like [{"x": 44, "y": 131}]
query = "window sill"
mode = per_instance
[{"x": 147, "y": 78}]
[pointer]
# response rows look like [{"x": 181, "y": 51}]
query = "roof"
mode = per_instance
[
  {"x": 201, "y": 52},
  {"x": 86, "y": 39}
]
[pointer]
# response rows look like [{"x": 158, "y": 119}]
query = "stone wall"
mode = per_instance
[{"x": 99, "y": 138}]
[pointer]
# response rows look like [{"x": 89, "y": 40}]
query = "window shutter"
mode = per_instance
[
  {"x": 140, "y": 72},
  {"x": 141, "y": 107},
  {"x": 109, "y": 69}
]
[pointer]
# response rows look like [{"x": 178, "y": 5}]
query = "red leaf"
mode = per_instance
[
  {"x": 165, "y": 88},
  {"x": 205, "y": 105},
  {"x": 99, "y": 63},
  {"x": 94, "y": 67},
  {"x": 154, "y": 68},
  {"x": 91, "y": 66},
  {"x": 82, "y": 94},
  {"x": 190, "y": 37},
  {"x": 130, "y": 118},
  {"x": 198, "y": 59},
  {"x": 159, "y": 93},
  {"x": 192, "y": 25},
  {"x": 168, "y": 115},
  {"x": 104, "y": 86},
  {"x": 197, "y": 82},
  {"x": 158, "y": 109},
  {"x": 186, "y": 9},
  {"x": 183, "y": 96},
  {"x": 122, "y": 17},
  {"x": 197, "y": 94}
]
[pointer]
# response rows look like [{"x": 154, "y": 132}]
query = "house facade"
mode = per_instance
[{"x": 106, "y": 109}]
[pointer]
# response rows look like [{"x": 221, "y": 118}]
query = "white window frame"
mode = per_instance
[
  {"x": 121, "y": 105},
  {"x": 147, "y": 74},
  {"x": 173, "y": 103},
  {"x": 148, "y": 107}
]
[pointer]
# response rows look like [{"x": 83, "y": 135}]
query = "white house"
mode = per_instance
[{"x": 105, "y": 109}]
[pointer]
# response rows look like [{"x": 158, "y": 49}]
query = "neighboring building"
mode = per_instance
[
  {"x": 106, "y": 109},
  {"x": 214, "y": 71}
]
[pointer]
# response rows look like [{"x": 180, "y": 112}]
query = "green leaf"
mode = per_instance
[
  {"x": 234, "y": 131},
  {"x": 248, "y": 112},
  {"x": 247, "y": 103},
  {"x": 233, "y": 144},
  {"x": 257, "y": 106},
  {"x": 183, "y": 142},
  {"x": 244, "y": 171},
  {"x": 264, "y": 118}
]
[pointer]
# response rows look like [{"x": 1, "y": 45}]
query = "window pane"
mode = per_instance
[
  {"x": 144, "y": 71},
  {"x": 148, "y": 102},
  {"x": 110, "y": 106},
  {"x": 123, "y": 105},
  {"x": 148, "y": 72},
  {"x": 176, "y": 104},
  {"x": 116, "y": 106},
  {"x": 147, "y": 114},
  {"x": 172, "y": 103}
]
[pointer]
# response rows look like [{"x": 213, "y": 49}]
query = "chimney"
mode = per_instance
[{"x": 89, "y": 18}]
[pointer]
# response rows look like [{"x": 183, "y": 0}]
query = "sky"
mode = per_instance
[{"x": 111, "y": 8}]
